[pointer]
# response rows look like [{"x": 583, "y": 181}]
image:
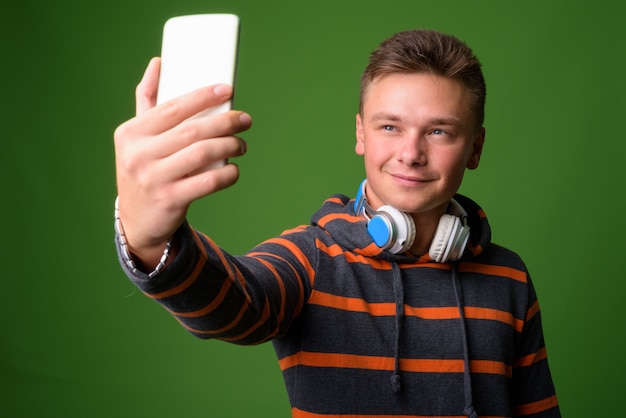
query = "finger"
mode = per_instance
[
  {"x": 199, "y": 156},
  {"x": 199, "y": 129},
  {"x": 146, "y": 91},
  {"x": 173, "y": 112},
  {"x": 205, "y": 183}
]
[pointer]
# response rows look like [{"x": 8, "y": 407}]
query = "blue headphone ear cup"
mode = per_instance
[
  {"x": 380, "y": 229},
  {"x": 450, "y": 239},
  {"x": 392, "y": 229}
]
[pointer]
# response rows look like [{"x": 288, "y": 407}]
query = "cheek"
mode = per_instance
[
  {"x": 366, "y": 148},
  {"x": 375, "y": 155},
  {"x": 454, "y": 167}
]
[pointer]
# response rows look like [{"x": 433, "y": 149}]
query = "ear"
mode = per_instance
[
  {"x": 360, "y": 146},
  {"x": 477, "y": 149}
]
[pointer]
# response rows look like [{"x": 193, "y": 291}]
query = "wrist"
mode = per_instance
[{"x": 154, "y": 258}]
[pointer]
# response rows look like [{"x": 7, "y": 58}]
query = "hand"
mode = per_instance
[{"x": 161, "y": 160}]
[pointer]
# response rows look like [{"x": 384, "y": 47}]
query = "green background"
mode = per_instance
[{"x": 77, "y": 340}]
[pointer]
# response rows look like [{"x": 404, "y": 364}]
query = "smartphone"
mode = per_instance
[{"x": 197, "y": 51}]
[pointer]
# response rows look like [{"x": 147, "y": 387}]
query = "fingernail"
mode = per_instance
[
  {"x": 245, "y": 118},
  {"x": 222, "y": 90}
]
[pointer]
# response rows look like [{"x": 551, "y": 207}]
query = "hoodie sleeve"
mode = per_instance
[
  {"x": 244, "y": 300},
  {"x": 533, "y": 393}
]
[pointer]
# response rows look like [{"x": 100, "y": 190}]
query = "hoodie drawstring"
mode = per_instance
[
  {"x": 398, "y": 290},
  {"x": 467, "y": 380}
]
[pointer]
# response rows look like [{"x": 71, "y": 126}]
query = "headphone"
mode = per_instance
[{"x": 394, "y": 231}]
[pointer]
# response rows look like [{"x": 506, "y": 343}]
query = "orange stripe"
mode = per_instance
[
  {"x": 351, "y": 304},
  {"x": 509, "y": 272},
  {"x": 295, "y": 250},
  {"x": 232, "y": 273},
  {"x": 335, "y": 251},
  {"x": 372, "y": 250},
  {"x": 536, "y": 407},
  {"x": 298, "y": 413},
  {"x": 445, "y": 312},
  {"x": 491, "y": 367},
  {"x": 221, "y": 294},
  {"x": 338, "y": 216},
  {"x": 217, "y": 250},
  {"x": 189, "y": 280},
  {"x": 234, "y": 322},
  {"x": 354, "y": 361},
  {"x": 295, "y": 230},
  {"x": 211, "y": 306},
  {"x": 426, "y": 262},
  {"x": 423, "y": 259},
  {"x": 300, "y": 303},
  {"x": 494, "y": 315},
  {"x": 334, "y": 200},
  {"x": 531, "y": 359},
  {"x": 351, "y": 361},
  {"x": 389, "y": 309},
  {"x": 532, "y": 311},
  {"x": 260, "y": 322},
  {"x": 182, "y": 286},
  {"x": 476, "y": 249},
  {"x": 281, "y": 285},
  {"x": 225, "y": 328}
]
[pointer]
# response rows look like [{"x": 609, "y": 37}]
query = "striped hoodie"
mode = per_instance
[{"x": 360, "y": 332}]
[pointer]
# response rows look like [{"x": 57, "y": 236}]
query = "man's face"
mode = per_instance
[{"x": 417, "y": 136}]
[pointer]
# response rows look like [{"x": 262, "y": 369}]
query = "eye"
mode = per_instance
[
  {"x": 441, "y": 136},
  {"x": 389, "y": 128}
]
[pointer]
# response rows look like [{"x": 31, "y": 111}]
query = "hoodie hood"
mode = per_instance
[{"x": 340, "y": 209}]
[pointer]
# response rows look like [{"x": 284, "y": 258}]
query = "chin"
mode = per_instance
[{"x": 423, "y": 207}]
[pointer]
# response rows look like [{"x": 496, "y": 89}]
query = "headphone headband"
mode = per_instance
[{"x": 361, "y": 207}]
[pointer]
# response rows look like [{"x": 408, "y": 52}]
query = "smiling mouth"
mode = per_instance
[{"x": 411, "y": 179}]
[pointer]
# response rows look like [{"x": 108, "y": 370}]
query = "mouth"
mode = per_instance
[{"x": 410, "y": 180}]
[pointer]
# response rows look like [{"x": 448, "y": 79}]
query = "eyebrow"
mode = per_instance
[
  {"x": 444, "y": 120},
  {"x": 385, "y": 116}
]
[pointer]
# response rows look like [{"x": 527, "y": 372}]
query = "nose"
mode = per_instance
[{"x": 412, "y": 150}]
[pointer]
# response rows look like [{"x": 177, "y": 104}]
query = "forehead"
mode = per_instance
[{"x": 417, "y": 93}]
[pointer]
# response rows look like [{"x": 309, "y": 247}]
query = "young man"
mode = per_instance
[{"x": 395, "y": 303}]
